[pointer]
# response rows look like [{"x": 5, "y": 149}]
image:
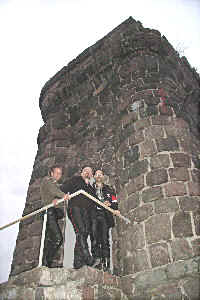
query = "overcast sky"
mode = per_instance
[{"x": 38, "y": 38}]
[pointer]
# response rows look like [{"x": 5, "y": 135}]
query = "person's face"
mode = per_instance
[
  {"x": 56, "y": 174},
  {"x": 99, "y": 176},
  {"x": 87, "y": 172}
]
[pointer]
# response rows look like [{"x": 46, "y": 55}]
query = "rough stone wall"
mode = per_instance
[{"x": 128, "y": 104}]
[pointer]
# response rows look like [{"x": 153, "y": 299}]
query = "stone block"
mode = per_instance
[
  {"x": 87, "y": 275},
  {"x": 166, "y": 205},
  {"x": 131, "y": 156},
  {"x": 180, "y": 160},
  {"x": 110, "y": 280},
  {"x": 141, "y": 124},
  {"x": 135, "y": 263},
  {"x": 135, "y": 185},
  {"x": 154, "y": 132},
  {"x": 131, "y": 117},
  {"x": 35, "y": 229},
  {"x": 138, "y": 168},
  {"x": 195, "y": 175},
  {"x": 182, "y": 268},
  {"x": 136, "y": 138},
  {"x": 159, "y": 254},
  {"x": 192, "y": 288},
  {"x": 196, "y": 218},
  {"x": 133, "y": 201},
  {"x": 127, "y": 285},
  {"x": 171, "y": 130},
  {"x": 188, "y": 203},
  {"x": 158, "y": 228},
  {"x": 88, "y": 293},
  {"x": 181, "y": 249},
  {"x": 175, "y": 189},
  {"x": 161, "y": 120},
  {"x": 159, "y": 161},
  {"x": 133, "y": 239},
  {"x": 167, "y": 144},
  {"x": 181, "y": 225},
  {"x": 194, "y": 188},
  {"x": 107, "y": 294},
  {"x": 169, "y": 291},
  {"x": 140, "y": 261},
  {"x": 188, "y": 145},
  {"x": 157, "y": 177},
  {"x": 36, "y": 277},
  {"x": 196, "y": 246},
  {"x": 147, "y": 148},
  {"x": 32, "y": 254},
  {"x": 152, "y": 194},
  {"x": 150, "y": 278},
  {"x": 141, "y": 213},
  {"x": 139, "y": 182},
  {"x": 179, "y": 174},
  {"x": 124, "y": 175}
]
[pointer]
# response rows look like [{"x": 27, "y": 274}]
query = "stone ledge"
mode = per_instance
[
  {"x": 91, "y": 284},
  {"x": 43, "y": 277}
]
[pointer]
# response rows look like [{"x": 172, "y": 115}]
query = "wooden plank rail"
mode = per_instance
[{"x": 61, "y": 200}]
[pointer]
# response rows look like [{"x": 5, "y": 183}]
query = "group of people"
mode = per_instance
[{"x": 88, "y": 218}]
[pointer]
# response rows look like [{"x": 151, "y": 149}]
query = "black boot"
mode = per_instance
[{"x": 99, "y": 266}]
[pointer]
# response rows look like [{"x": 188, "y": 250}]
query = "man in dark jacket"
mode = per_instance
[
  {"x": 79, "y": 209},
  {"x": 102, "y": 220},
  {"x": 50, "y": 193}
]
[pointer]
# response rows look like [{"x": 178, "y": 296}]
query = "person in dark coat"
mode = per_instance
[
  {"x": 102, "y": 220},
  {"x": 79, "y": 208},
  {"x": 50, "y": 193}
]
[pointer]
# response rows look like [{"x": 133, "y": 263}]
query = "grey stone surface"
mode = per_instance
[
  {"x": 181, "y": 249},
  {"x": 142, "y": 213},
  {"x": 183, "y": 268},
  {"x": 181, "y": 225},
  {"x": 133, "y": 201},
  {"x": 166, "y": 205},
  {"x": 152, "y": 194},
  {"x": 158, "y": 228},
  {"x": 159, "y": 254},
  {"x": 192, "y": 288},
  {"x": 159, "y": 161},
  {"x": 189, "y": 203}
]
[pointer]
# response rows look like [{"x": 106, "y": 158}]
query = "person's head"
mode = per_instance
[
  {"x": 55, "y": 172},
  {"x": 99, "y": 176},
  {"x": 86, "y": 172}
]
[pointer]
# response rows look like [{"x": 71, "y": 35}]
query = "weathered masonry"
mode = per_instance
[{"x": 130, "y": 105}]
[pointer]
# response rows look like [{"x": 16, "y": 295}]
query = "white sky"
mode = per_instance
[{"x": 38, "y": 38}]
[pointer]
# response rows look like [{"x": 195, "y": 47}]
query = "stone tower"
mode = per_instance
[{"x": 130, "y": 105}]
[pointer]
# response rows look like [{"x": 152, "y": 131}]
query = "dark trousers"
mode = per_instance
[
  {"x": 80, "y": 220},
  {"x": 53, "y": 237},
  {"x": 100, "y": 246}
]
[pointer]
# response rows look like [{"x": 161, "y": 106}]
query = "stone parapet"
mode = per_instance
[{"x": 174, "y": 280}]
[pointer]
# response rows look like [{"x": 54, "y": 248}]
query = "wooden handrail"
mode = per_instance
[{"x": 61, "y": 200}]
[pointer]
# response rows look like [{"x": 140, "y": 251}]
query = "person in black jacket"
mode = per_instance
[
  {"x": 78, "y": 211},
  {"x": 102, "y": 220}
]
